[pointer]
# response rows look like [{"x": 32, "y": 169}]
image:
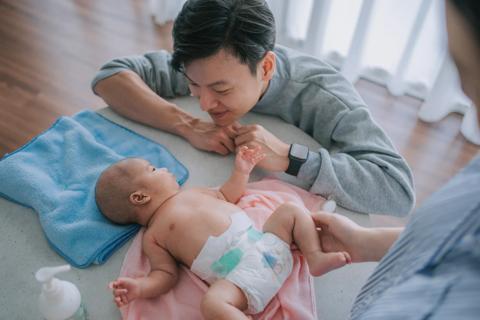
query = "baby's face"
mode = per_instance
[{"x": 155, "y": 179}]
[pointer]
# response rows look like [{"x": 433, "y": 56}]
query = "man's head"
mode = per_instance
[
  {"x": 130, "y": 190},
  {"x": 224, "y": 47}
]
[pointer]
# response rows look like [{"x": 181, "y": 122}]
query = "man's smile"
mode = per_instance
[{"x": 217, "y": 115}]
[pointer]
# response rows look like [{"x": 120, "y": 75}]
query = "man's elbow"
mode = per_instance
[
  {"x": 398, "y": 189},
  {"x": 112, "y": 83},
  {"x": 405, "y": 204},
  {"x": 399, "y": 201}
]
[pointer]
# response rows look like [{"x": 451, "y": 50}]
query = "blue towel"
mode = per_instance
[{"x": 56, "y": 172}]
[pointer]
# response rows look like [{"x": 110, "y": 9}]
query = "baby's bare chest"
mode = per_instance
[
  {"x": 202, "y": 213},
  {"x": 190, "y": 220}
]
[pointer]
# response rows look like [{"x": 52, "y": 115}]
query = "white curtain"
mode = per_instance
[
  {"x": 165, "y": 10},
  {"x": 399, "y": 44}
]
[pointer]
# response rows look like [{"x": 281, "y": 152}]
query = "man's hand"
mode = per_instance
[
  {"x": 207, "y": 136},
  {"x": 275, "y": 150},
  {"x": 247, "y": 158},
  {"x": 124, "y": 290}
]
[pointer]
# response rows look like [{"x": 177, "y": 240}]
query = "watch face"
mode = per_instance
[{"x": 299, "y": 151}]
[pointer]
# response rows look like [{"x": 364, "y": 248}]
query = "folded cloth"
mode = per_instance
[
  {"x": 296, "y": 298},
  {"x": 55, "y": 175}
]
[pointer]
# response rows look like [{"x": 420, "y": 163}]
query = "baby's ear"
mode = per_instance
[{"x": 139, "y": 198}]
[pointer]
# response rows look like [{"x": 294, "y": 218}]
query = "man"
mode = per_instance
[{"x": 225, "y": 55}]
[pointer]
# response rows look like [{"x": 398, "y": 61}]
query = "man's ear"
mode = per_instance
[
  {"x": 267, "y": 65},
  {"x": 139, "y": 198}
]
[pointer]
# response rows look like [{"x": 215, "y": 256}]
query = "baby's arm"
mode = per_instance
[
  {"x": 245, "y": 160},
  {"x": 162, "y": 277}
]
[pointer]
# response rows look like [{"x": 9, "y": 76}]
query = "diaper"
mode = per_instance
[{"x": 258, "y": 263}]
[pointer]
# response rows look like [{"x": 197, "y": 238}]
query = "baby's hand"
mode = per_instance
[
  {"x": 124, "y": 290},
  {"x": 247, "y": 158}
]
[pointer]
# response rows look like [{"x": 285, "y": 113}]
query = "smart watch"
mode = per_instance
[{"x": 297, "y": 154}]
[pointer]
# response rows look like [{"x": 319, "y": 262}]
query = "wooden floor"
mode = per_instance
[{"x": 51, "y": 49}]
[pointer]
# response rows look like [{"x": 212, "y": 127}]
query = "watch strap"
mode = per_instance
[
  {"x": 294, "y": 167},
  {"x": 295, "y": 163}
]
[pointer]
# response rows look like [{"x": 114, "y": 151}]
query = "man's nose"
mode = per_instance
[{"x": 207, "y": 101}]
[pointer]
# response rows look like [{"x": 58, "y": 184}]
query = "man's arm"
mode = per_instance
[
  {"x": 356, "y": 163},
  {"x": 128, "y": 95},
  {"x": 136, "y": 87}
]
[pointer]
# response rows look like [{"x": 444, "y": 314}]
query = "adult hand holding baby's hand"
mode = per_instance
[
  {"x": 247, "y": 158},
  {"x": 276, "y": 151},
  {"x": 124, "y": 290}
]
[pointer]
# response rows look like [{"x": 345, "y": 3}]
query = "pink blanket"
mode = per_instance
[{"x": 295, "y": 300}]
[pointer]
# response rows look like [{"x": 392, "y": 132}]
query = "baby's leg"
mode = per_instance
[
  {"x": 292, "y": 223},
  {"x": 224, "y": 300}
]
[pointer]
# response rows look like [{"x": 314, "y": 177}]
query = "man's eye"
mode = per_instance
[
  {"x": 153, "y": 169},
  {"x": 222, "y": 91}
]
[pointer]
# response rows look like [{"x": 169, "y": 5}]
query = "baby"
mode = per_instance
[{"x": 203, "y": 229}]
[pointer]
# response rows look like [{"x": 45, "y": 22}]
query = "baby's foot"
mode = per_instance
[{"x": 320, "y": 262}]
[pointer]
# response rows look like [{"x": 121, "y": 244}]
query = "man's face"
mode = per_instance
[{"x": 225, "y": 87}]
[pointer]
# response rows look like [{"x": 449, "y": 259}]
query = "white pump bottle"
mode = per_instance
[{"x": 59, "y": 300}]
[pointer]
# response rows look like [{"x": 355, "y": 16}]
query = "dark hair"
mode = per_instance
[
  {"x": 470, "y": 10},
  {"x": 245, "y": 28}
]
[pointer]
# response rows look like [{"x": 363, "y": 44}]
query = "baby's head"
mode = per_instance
[{"x": 130, "y": 190}]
